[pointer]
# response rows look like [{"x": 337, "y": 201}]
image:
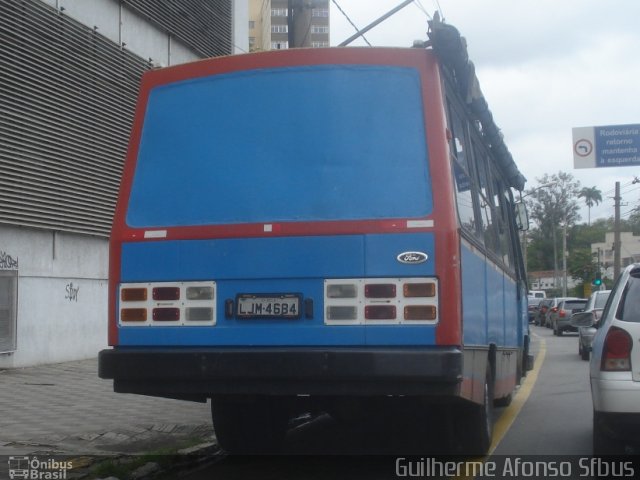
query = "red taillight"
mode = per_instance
[
  {"x": 380, "y": 312},
  {"x": 166, "y": 314},
  {"x": 616, "y": 352},
  {"x": 562, "y": 314},
  {"x": 166, "y": 293},
  {"x": 380, "y": 290}
]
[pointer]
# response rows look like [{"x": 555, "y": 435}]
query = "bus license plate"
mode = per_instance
[{"x": 268, "y": 306}]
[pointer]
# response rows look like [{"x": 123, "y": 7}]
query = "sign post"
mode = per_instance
[{"x": 609, "y": 146}]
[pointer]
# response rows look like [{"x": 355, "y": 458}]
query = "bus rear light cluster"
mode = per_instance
[
  {"x": 175, "y": 303},
  {"x": 381, "y": 301}
]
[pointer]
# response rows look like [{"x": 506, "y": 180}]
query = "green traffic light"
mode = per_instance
[{"x": 598, "y": 280}]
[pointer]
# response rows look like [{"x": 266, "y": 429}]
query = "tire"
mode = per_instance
[
  {"x": 250, "y": 424},
  {"x": 476, "y": 430},
  {"x": 604, "y": 444},
  {"x": 584, "y": 354},
  {"x": 503, "y": 401}
]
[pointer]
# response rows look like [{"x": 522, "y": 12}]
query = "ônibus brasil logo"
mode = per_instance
[{"x": 33, "y": 468}]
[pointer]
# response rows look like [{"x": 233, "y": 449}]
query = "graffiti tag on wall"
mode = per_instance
[
  {"x": 72, "y": 292},
  {"x": 7, "y": 262}
]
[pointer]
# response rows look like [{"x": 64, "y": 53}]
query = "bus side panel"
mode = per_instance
[
  {"x": 495, "y": 304},
  {"x": 474, "y": 296},
  {"x": 491, "y": 317}
]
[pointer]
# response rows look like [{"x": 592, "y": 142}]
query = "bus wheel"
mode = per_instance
[
  {"x": 476, "y": 438},
  {"x": 250, "y": 424}
]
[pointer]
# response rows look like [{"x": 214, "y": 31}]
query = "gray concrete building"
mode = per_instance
[{"x": 69, "y": 75}]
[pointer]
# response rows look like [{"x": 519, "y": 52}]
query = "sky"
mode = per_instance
[{"x": 544, "y": 66}]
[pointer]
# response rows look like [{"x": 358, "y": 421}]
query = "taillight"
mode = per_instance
[
  {"x": 381, "y": 301},
  {"x": 562, "y": 314},
  {"x": 616, "y": 352},
  {"x": 166, "y": 293},
  {"x": 175, "y": 303},
  {"x": 380, "y": 290},
  {"x": 380, "y": 312}
]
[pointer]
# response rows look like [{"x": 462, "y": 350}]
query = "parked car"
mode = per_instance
[
  {"x": 553, "y": 308},
  {"x": 596, "y": 303},
  {"x": 614, "y": 372},
  {"x": 539, "y": 294},
  {"x": 561, "y": 318},
  {"x": 533, "y": 303}
]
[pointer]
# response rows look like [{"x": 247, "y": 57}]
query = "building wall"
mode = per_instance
[
  {"x": 68, "y": 87},
  {"x": 270, "y": 24},
  {"x": 62, "y": 295},
  {"x": 629, "y": 251}
]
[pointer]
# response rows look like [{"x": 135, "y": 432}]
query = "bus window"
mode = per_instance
[
  {"x": 486, "y": 204},
  {"x": 461, "y": 172}
]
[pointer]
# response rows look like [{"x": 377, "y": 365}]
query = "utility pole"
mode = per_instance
[
  {"x": 299, "y": 22},
  {"x": 564, "y": 258},
  {"x": 616, "y": 234}
]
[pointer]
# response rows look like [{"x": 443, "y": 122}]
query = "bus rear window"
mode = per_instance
[{"x": 314, "y": 143}]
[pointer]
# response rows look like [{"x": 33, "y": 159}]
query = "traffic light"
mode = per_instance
[{"x": 598, "y": 280}]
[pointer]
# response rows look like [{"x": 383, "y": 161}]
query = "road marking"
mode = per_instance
[
  {"x": 509, "y": 415},
  {"x": 501, "y": 427}
]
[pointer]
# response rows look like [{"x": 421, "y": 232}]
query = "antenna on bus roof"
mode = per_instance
[{"x": 451, "y": 49}]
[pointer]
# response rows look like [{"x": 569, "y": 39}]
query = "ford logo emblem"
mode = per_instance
[{"x": 412, "y": 258}]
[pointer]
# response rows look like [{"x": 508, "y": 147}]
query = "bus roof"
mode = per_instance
[{"x": 451, "y": 49}]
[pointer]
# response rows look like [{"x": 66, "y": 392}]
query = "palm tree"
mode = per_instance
[{"x": 592, "y": 196}]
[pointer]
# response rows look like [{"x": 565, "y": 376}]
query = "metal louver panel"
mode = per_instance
[
  {"x": 204, "y": 25},
  {"x": 67, "y": 97}
]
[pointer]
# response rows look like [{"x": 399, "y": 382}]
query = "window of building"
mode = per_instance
[
  {"x": 319, "y": 44},
  {"x": 279, "y": 28},
  {"x": 8, "y": 309},
  {"x": 279, "y": 45},
  {"x": 252, "y": 24},
  {"x": 319, "y": 29},
  {"x": 320, "y": 12},
  {"x": 279, "y": 12}
]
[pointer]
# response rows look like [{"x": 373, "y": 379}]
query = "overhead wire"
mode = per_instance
[
  {"x": 349, "y": 20},
  {"x": 418, "y": 4}
]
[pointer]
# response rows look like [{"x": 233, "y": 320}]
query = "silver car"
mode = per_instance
[
  {"x": 587, "y": 331},
  {"x": 614, "y": 368}
]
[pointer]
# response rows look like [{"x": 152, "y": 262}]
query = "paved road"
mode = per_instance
[
  {"x": 66, "y": 408},
  {"x": 557, "y": 417},
  {"x": 549, "y": 417}
]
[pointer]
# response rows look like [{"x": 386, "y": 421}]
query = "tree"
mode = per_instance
[
  {"x": 592, "y": 196},
  {"x": 553, "y": 204}
]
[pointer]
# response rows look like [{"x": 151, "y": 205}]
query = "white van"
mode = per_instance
[{"x": 537, "y": 294}]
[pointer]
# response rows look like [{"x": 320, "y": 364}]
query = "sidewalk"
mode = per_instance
[{"x": 65, "y": 409}]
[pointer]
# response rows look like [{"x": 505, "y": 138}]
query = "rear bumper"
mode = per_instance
[
  {"x": 615, "y": 393},
  {"x": 202, "y": 372},
  {"x": 565, "y": 325}
]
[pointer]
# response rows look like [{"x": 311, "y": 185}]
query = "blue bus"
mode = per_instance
[{"x": 330, "y": 224}]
